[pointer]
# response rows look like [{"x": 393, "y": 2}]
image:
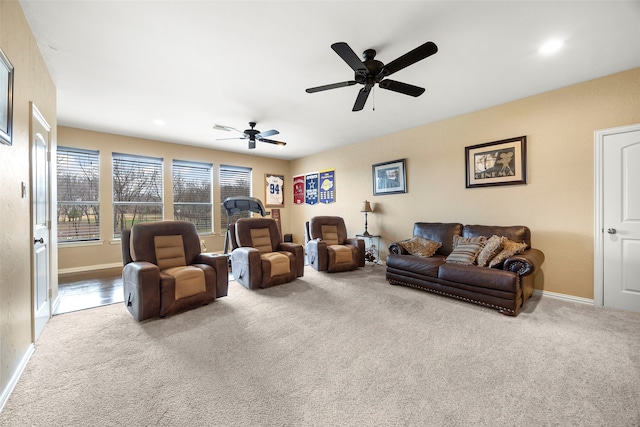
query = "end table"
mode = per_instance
[{"x": 371, "y": 247}]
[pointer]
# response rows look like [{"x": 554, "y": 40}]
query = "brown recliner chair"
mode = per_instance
[
  {"x": 260, "y": 258},
  {"x": 164, "y": 271},
  {"x": 328, "y": 247}
]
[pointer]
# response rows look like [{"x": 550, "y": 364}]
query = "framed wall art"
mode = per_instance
[
  {"x": 497, "y": 163},
  {"x": 389, "y": 177},
  {"x": 6, "y": 99},
  {"x": 274, "y": 190}
]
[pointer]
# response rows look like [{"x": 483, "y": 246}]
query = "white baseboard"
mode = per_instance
[
  {"x": 4, "y": 397},
  {"x": 89, "y": 268},
  {"x": 563, "y": 296}
]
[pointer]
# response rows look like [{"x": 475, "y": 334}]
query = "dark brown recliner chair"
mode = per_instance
[
  {"x": 328, "y": 247},
  {"x": 260, "y": 258},
  {"x": 164, "y": 271}
]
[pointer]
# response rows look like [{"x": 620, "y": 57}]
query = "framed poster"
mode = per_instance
[
  {"x": 6, "y": 99},
  {"x": 274, "y": 190},
  {"x": 390, "y": 177},
  {"x": 496, "y": 163}
]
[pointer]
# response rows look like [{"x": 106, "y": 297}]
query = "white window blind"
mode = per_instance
[
  {"x": 78, "y": 184},
  {"x": 234, "y": 181},
  {"x": 137, "y": 190},
  {"x": 192, "y": 197}
]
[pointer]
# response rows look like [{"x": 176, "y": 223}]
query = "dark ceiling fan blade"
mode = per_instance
[
  {"x": 331, "y": 86},
  {"x": 349, "y": 56},
  {"x": 271, "y": 141},
  {"x": 362, "y": 97},
  {"x": 267, "y": 133},
  {"x": 409, "y": 58},
  {"x": 400, "y": 87}
]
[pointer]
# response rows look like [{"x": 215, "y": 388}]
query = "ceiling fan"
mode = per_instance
[
  {"x": 252, "y": 135},
  {"x": 371, "y": 71}
]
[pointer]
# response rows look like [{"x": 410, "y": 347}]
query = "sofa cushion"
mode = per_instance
[
  {"x": 482, "y": 277},
  {"x": 415, "y": 265},
  {"x": 510, "y": 248},
  {"x": 492, "y": 247},
  {"x": 420, "y": 246}
]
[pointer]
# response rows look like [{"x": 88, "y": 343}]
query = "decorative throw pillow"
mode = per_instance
[
  {"x": 460, "y": 239},
  {"x": 492, "y": 247},
  {"x": 510, "y": 248},
  {"x": 465, "y": 253},
  {"x": 420, "y": 246}
]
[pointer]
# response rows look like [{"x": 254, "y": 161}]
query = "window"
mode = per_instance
[
  {"x": 234, "y": 181},
  {"x": 137, "y": 191},
  {"x": 192, "y": 200},
  {"x": 78, "y": 181}
]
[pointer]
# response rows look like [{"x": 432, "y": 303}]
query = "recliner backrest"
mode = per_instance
[
  {"x": 259, "y": 233},
  {"x": 329, "y": 228},
  {"x": 142, "y": 240}
]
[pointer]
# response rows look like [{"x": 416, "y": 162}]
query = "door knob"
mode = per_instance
[
  {"x": 611, "y": 230},
  {"x": 40, "y": 240}
]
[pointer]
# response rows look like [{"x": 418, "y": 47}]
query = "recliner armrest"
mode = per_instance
[
  {"x": 220, "y": 263},
  {"x": 141, "y": 286},
  {"x": 317, "y": 254},
  {"x": 247, "y": 267},
  {"x": 358, "y": 243},
  {"x": 298, "y": 251},
  {"x": 525, "y": 263}
]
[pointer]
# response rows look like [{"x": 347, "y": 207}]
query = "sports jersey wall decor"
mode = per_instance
[{"x": 274, "y": 190}]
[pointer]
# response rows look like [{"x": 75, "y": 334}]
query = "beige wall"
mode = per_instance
[
  {"x": 557, "y": 202},
  {"x": 32, "y": 83},
  {"x": 107, "y": 252}
]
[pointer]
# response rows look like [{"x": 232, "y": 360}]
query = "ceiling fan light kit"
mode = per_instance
[
  {"x": 371, "y": 71},
  {"x": 252, "y": 135}
]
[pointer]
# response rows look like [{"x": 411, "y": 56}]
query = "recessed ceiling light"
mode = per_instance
[
  {"x": 551, "y": 46},
  {"x": 159, "y": 122}
]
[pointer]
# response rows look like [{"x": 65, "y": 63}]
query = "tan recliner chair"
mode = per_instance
[
  {"x": 328, "y": 247},
  {"x": 164, "y": 271},
  {"x": 260, "y": 258}
]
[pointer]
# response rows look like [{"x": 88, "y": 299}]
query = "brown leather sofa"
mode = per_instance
[
  {"x": 504, "y": 287},
  {"x": 328, "y": 247},
  {"x": 260, "y": 258},
  {"x": 164, "y": 271}
]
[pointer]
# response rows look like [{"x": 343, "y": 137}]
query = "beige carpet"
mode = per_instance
[{"x": 344, "y": 349}]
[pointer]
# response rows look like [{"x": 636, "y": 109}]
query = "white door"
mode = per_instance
[
  {"x": 620, "y": 224},
  {"x": 40, "y": 220}
]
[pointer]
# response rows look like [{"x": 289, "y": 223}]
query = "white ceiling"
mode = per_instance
[{"x": 120, "y": 65}]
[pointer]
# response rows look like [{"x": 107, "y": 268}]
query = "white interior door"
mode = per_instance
[
  {"x": 620, "y": 221},
  {"x": 40, "y": 221}
]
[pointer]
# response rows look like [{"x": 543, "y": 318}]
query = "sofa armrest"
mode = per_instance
[
  {"x": 397, "y": 249},
  {"x": 297, "y": 250},
  {"x": 525, "y": 263},
  {"x": 220, "y": 263}
]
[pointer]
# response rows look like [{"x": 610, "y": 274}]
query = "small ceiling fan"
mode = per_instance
[
  {"x": 252, "y": 135},
  {"x": 371, "y": 71}
]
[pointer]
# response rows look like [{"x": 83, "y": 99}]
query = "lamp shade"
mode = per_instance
[{"x": 366, "y": 207}]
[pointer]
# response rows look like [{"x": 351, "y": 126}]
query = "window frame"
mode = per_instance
[{"x": 194, "y": 171}]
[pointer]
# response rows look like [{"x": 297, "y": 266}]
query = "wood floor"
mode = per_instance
[{"x": 79, "y": 291}]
